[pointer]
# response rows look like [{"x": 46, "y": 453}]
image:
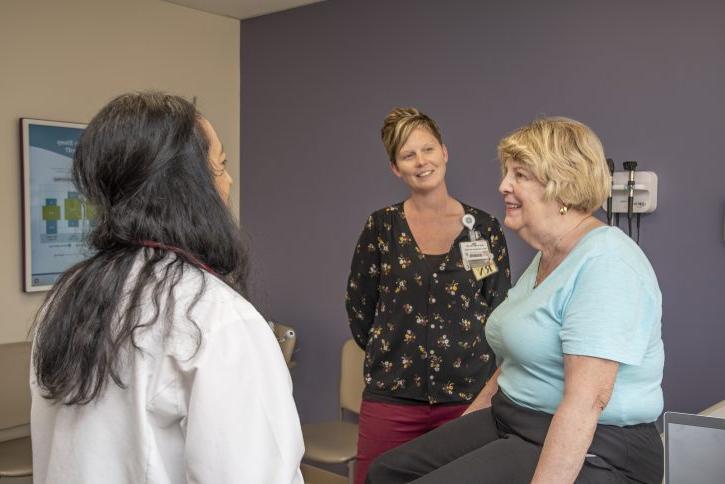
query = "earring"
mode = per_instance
[{"x": 563, "y": 210}]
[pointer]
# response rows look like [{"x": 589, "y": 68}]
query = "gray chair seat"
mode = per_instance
[
  {"x": 16, "y": 458},
  {"x": 336, "y": 442},
  {"x": 330, "y": 442}
]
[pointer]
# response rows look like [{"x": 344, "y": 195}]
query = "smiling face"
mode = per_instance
[
  {"x": 421, "y": 161},
  {"x": 528, "y": 212},
  {"x": 217, "y": 161}
]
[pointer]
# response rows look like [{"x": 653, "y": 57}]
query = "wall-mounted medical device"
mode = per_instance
[
  {"x": 633, "y": 193},
  {"x": 645, "y": 192}
]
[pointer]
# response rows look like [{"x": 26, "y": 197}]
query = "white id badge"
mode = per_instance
[
  {"x": 475, "y": 254},
  {"x": 478, "y": 258}
]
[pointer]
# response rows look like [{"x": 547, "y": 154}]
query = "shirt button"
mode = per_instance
[
  {"x": 433, "y": 326},
  {"x": 435, "y": 274},
  {"x": 442, "y": 267},
  {"x": 433, "y": 300},
  {"x": 432, "y": 352},
  {"x": 431, "y": 377}
]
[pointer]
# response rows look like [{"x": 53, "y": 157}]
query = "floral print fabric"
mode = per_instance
[{"x": 421, "y": 323}]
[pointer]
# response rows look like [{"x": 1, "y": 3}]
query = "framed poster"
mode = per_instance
[{"x": 55, "y": 216}]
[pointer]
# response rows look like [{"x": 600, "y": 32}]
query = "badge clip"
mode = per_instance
[{"x": 469, "y": 221}]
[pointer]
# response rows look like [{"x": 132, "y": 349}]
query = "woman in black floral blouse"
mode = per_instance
[{"x": 413, "y": 306}]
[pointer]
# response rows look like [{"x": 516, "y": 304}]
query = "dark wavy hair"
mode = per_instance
[{"x": 143, "y": 163}]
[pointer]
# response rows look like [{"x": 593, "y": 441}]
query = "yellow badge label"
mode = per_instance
[{"x": 485, "y": 270}]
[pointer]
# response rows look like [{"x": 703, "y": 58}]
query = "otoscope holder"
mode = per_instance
[{"x": 645, "y": 192}]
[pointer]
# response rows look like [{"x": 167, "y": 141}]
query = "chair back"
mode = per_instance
[
  {"x": 352, "y": 382},
  {"x": 716, "y": 410},
  {"x": 287, "y": 339},
  {"x": 14, "y": 388}
]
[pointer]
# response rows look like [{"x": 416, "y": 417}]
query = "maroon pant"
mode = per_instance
[{"x": 384, "y": 426}]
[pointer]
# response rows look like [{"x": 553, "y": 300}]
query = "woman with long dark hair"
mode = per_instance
[{"x": 148, "y": 363}]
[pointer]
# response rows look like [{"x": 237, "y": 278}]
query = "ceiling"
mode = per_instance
[{"x": 242, "y": 9}]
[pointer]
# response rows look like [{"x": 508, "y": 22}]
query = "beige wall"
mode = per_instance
[{"x": 62, "y": 60}]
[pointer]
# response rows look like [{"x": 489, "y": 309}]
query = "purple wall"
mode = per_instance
[{"x": 317, "y": 81}]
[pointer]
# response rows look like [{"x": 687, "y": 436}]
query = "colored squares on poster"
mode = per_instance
[
  {"x": 51, "y": 215},
  {"x": 73, "y": 212},
  {"x": 91, "y": 213}
]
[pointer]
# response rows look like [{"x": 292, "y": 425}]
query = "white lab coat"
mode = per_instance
[{"x": 222, "y": 415}]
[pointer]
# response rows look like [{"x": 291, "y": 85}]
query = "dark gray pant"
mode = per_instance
[{"x": 501, "y": 445}]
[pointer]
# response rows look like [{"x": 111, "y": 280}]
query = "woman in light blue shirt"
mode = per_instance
[{"x": 578, "y": 340}]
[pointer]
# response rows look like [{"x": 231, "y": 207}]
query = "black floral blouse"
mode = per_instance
[{"x": 420, "y": 322}]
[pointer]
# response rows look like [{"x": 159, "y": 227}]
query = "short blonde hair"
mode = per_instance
[
  {"x": 565, "y": 156},
  {"x": 398, "y": 125}
]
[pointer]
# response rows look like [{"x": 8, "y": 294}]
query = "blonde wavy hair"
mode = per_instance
[
  {"x": 565, "y": 156},
  {"x": 398, "y": 125}
]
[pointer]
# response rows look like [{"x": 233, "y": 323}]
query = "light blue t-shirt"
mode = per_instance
[{"x": 603, "y": 300}]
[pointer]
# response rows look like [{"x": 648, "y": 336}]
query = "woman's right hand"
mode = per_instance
[
  {"x": 483, "y": 400},
  {"x": 479, "y": 403}
]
